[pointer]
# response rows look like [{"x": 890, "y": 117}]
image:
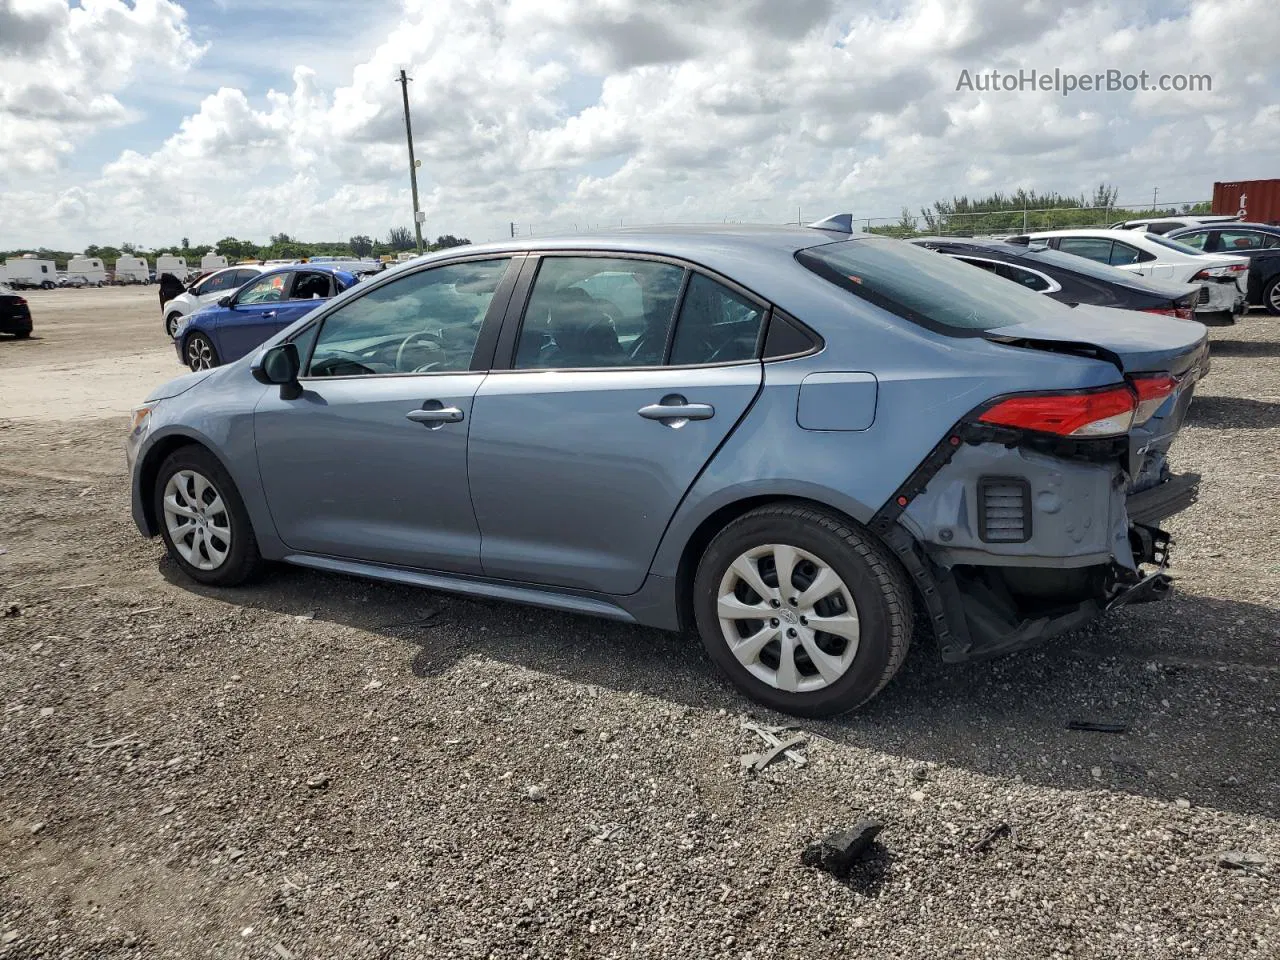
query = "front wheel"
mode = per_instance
[
  {"x": 171, "y": 324},
  {"x": 200, "y": 352},
  {"x": 203, "y": 520},
  {"x": 803, "y": 610},
  {"x": 1271, "y": 296}
]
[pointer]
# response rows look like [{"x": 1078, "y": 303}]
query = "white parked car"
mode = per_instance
[
  {"x": 72, "y": 279},
  {"x": 1165, "y": 224},
  {"x": 210, "y": 289},
  {"x": 1223, "y": 278}
]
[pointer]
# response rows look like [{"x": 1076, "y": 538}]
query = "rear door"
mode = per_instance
[{"x": 623, "y": 376}]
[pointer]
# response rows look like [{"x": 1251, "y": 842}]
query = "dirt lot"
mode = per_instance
[{"x": 323, "y": 767}]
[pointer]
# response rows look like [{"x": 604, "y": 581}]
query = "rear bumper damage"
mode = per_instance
[{"x": 1010, "y": 547}]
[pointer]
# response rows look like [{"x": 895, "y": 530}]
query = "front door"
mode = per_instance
[
  {"x": 370, "y": 462},
  {"x": 581, "y": 453}
]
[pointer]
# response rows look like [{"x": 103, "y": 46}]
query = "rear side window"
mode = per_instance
[
  {"x": 1091, "y": 248},
  {"x": 311, "y": 286},
  {"x": 1027, "y": 278},
  {"x": 715, "y": 325},
  {"x": 1122, "y": 255},
  {"x": 589, "y": 312},
  {"x": 940, "y": 293}
]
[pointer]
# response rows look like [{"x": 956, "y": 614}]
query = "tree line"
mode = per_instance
[
  {"x": 281, "y": 246},
  {"x": 1025, "y": 210}
]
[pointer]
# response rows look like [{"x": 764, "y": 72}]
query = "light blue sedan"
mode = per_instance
[{"x": 792, "y": 440}]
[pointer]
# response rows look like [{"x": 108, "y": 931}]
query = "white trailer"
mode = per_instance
[
  {"x": 167, "y": 263},
  {"x": 28, "y": 272},
  {"x": 90, "y": 268},
  {"x": 132, "y": 270},
  {"x": 212, "y": 261}
]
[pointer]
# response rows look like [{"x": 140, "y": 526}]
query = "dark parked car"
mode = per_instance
[
  {"x": 1260, "y": 242},
  {"x": 1068, "y": 278},
  {"x": 791, "y": 439},
  {"x": 237, "y": 323},
  {"x": 15, "y": 315}
]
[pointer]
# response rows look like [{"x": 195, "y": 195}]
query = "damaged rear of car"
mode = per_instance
[{"x": 1041, "y": 505}]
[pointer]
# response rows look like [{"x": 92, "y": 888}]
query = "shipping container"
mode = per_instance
[{"x": 1254, "y": 200}]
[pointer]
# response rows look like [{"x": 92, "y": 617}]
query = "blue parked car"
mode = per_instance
[
  {"x": 260, "y": 309},
  {"x": 789, "y": 439}
]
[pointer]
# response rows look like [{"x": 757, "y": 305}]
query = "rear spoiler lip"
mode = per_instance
[{"x": 1197, "y": 359}]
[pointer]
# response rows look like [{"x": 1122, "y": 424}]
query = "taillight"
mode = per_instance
[
  {"x": 1153, "y": 390},
  {"x": 1229, "y": 272},
  {"x": 1107, "y": 412},
  {"x": 1180, "y": 313}
]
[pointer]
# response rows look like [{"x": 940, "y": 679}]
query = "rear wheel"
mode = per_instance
[
  {"x": 200, "y": 352},
  {"x": 804, "y": 611},
  {"x": 47, "y": 285},
  {"x": 23, "y": 334},
  {"x": 1271, "y": 296},
  {"x": 203, "y": 520}
]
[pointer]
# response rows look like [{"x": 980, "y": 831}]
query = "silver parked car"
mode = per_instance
[{"x": 790, "y": 439}]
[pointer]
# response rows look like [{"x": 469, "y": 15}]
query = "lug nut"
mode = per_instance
[
  {"x": 793, "y": 601},
  {"x": 791, "y": 633},
  {"x": 804, "y": 621},
  {"x": 775, "y": 602},
  {"x": 773, "y": 621}
]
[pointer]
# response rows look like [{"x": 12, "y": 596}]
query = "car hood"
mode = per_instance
[
  {"x": 1135, "y": 342},
  {"x": 177, "y": 385}
]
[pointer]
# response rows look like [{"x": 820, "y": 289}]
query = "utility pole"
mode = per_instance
[
  {"x": 1155, "y": 192},
  {"x": 413, "y": 165},
  {"x": 513, "y": 229}
]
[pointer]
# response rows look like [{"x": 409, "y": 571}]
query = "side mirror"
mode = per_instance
[
  {"x": 224, "y": 302},
  {"x": 280, "y": 365}
]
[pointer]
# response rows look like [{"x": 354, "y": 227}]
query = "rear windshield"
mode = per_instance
[
  {"x": 920, "y": 285},
  {"x": 1174, "y": 245}
]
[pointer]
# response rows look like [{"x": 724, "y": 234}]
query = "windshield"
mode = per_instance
[
  {"x": 919, "y": 285},
  {"x": 1175, "y": 245}
]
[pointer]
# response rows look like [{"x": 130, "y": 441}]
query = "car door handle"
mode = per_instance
[
  {"x": 268, "y": 314},
  {"x": 680, "y": 409},
  {"x": 436, "y": 416}
]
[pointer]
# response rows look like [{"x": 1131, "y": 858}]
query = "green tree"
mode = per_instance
[
  {"x": 401, "y": 238},
  {"x": 361, "y": 245}
]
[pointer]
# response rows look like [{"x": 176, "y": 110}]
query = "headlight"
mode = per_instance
[{"x": 141, "y": 422}]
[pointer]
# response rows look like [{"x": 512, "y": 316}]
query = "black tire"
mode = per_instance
[
  {"x": 171, "y": 323},
  {"x": 47, "y": 285},
  {"x": 873, "y": 576},
  {"x": 23, "y": 334},
  {"x": 243, "y": 561},
  {"x": 1271, "y": 296},
  {"x": 200, "y": 353}
]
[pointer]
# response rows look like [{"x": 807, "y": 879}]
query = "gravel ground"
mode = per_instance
[{"x": 323, "y": 767}]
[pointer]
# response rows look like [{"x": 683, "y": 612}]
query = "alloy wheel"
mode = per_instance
[
  {"x": 199, "y": 354},
  {"x": 197, "y": 520},
  {"x": 788, "y": 618},
  {"x": 1274, "y": 298}
]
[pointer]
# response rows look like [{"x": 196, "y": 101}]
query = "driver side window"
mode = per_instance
[
  {"x": 425, "y": 322},
  {"x": 268, "y": 289}
]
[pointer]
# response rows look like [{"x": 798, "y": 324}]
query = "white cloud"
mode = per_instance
[
  {"x": 723, "y": 108},
  {"x": 61, "y": 69}
]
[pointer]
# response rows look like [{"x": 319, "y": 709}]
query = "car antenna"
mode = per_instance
[{"x": 837, "y": 223}]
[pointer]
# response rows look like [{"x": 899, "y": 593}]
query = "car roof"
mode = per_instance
[
  {"x": 694, "y": 240},
  {"x": 1233, "y": 225}
]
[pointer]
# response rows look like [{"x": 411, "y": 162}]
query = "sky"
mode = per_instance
[{"x": 146, "y": 121}]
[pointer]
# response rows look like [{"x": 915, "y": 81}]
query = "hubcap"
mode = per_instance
[
  {"x": 199, "y": 354},
  {"x": 197, "y": 520},
  {"x": 788, "y": 618},
  {"x": 172, "y": 325},
  {"x": 1275, "y": 297}
]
